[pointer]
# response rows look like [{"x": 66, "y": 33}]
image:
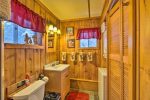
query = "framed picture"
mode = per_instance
[
  {"x": 71, "y": 43},
  {"x": 70, "y": 31},
  {"x": 50, "y": 43}
]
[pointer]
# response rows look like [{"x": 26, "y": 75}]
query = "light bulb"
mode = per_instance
[
  {"x": 55, "y": 29},
  {"x": 51, "y": 28},
  {"x": 58, "y": 31},
  {"x": 51, "y": 32}
]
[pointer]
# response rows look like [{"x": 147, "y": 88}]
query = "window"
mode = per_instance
[
  {"x": 15, "y": 34},
  {"x": 88, "y": 37},
  {"x": 88, "y": 43}
]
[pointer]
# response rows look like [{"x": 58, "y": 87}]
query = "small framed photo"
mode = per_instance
[
  {"x": 70, "y": 31},
  {"x": 50, "y": 43},
  {"x": 71, "y": 43}
]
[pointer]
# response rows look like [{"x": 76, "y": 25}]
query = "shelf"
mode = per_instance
[
  {"x": 85, "y": 80},
  {"x": 22, "y": 46}
]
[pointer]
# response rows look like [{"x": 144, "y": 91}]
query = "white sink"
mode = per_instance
[{"x": 59, "y": 67}]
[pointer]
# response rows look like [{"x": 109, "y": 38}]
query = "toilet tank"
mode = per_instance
[{"x": 33, "y": 92}]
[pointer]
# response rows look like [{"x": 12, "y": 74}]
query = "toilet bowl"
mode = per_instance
[{"x": 33, "y": 92}]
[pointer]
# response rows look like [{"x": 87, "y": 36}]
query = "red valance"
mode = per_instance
[
  {"x": 88, "y": 33},
  {"x": 26, "y": 18}
]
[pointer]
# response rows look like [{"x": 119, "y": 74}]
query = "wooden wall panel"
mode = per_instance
[
  {"x": 37, "y": 64},
  {"x": 29, "y": 61},
  {"x": 43, "y": 62},
  {"x": 144, "y": 52},
  {"x": 30, "y": 4},
  {"x": 37, "y": 8},
  {"x": 20, "y": 64},
  {"x": 80, "y": 70},
  {"x": 40, "y": 9},
  {"x": 10, "y": 68}
]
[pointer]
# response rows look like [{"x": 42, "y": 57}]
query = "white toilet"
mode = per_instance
[{"x": 33, "y": 92}]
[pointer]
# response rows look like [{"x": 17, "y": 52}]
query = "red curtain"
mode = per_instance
[
  {"x": 88, "y": 33},
  {"x": 26, "y": 18}
]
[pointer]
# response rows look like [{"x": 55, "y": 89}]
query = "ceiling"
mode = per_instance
[{"x": 72, "y": 9}]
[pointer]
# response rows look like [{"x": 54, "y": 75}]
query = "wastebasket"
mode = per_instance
[{"x": 52, "y": 96}]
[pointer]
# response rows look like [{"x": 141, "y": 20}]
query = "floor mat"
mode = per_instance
[{"x": 75, "y": 95}]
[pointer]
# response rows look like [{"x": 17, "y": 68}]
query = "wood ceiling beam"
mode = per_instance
[{"x": 89, "y": 10}]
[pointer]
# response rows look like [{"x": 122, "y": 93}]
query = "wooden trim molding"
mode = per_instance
[
  {"x": 85, "y": 80},
  {"x": 1, "y": 61},
  {"x": 80, "y": 19},
  {"x": 22, "y": 46}
]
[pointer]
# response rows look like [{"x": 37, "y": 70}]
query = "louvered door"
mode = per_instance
[
  {"x": 126, "y": 65},
  {"x": 115, "y": 66}
]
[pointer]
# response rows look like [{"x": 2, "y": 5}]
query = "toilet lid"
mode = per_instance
[{"x": 29, "y": 90}]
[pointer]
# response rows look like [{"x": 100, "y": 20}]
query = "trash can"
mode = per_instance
[{"x": 52, "y": 96}]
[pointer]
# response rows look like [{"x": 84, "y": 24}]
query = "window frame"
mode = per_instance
[
  {"x": 84, "y": 48},
  {"x": 22, "y": 46}
]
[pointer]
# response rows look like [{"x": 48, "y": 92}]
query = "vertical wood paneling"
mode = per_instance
[
  {"x": 42, "y": 60},
  {"x": 30, "y": 4},
  {"x": 144, "y": 51},
  {"x": 10, "y": 69},
  {"x": 37, "y": 64},
  {"x": 29, "y": 61},
  {"x": 37, "y": 8},
  {"x": 20, "y": 64}
]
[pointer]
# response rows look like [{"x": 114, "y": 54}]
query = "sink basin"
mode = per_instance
[{"x": 59, "y": 67}]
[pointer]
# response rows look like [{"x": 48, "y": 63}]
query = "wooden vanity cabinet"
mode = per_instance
[{"x": 59, "y": 81}]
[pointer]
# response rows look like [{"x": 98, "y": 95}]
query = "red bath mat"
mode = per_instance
[{"x": 75, "y": 95}]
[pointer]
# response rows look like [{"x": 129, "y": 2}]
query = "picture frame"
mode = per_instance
[
  {"x": 70, "y": 31},
  {"x": 50, "y": 43},
  {"x": 71, "y": 43}
]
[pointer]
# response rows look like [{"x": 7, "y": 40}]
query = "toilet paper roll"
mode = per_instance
[{"x": 45, "y": 79}]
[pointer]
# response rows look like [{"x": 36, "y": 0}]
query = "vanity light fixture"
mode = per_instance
[{"x": 53, "y": 29}]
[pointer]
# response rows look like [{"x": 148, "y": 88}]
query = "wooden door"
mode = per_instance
[
  {"x": 115, "y": 62},
  {"x": 143, "y": 44},
  {"x": 121, "y": 55}
]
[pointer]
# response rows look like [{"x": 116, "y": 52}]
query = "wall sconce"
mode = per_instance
[{"x": 53, "y": 29}]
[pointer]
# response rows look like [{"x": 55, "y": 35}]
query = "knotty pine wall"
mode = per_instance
[
  {"x": 84, "y": 75},
  {"x": 18, "y": 61},
  {"x": 143, "y": 50}
]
